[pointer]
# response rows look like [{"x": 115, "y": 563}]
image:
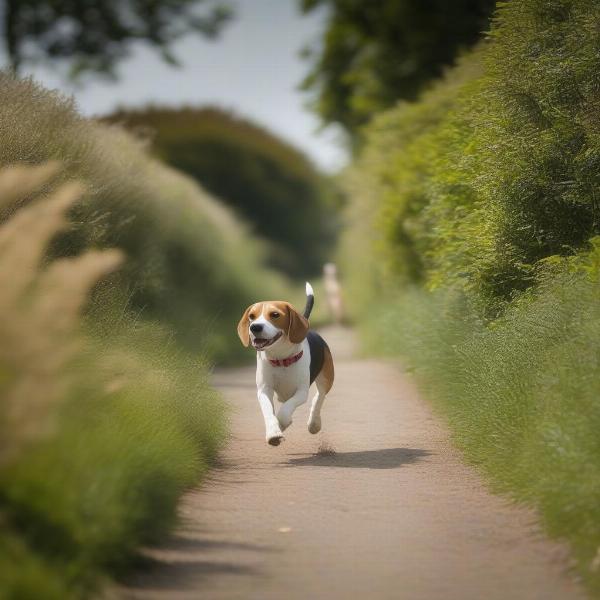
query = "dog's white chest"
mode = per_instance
[{"x": 285, "y": 383}]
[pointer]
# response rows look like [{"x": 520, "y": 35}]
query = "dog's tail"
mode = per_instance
[{"x": 310, "y": 300}]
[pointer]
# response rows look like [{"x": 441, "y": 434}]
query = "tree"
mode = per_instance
[
  {"x": 94, "y": 35},
  {"x": 374, "y": 53},
  {"x": 269, "y": 183}
]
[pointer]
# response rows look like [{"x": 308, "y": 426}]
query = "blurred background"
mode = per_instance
[{"x": 164, "y": 163}]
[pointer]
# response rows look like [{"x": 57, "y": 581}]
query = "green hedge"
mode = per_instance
[
  {"x": 269, "y": 183},
  {"x": 495, "y": 169},
  {"x": 474, "y": 219}
]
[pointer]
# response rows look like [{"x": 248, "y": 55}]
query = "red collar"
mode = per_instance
[{"x": 286, "y": 362}]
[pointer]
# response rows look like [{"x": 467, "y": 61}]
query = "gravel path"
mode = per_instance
[{"x": 378, "y": 506}]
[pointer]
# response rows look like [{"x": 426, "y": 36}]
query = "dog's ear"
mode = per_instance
[
  {"x": 242, "y": 327},
  {"x": 298, "y": 326}
]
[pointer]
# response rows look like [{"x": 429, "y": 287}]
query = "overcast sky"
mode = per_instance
[{"x": 253, "y": 68}]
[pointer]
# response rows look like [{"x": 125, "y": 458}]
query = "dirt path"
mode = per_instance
[{"x": 392, "y": 514}]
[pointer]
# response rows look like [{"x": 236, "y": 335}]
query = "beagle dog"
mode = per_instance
[{"x": 289, "y": 358}]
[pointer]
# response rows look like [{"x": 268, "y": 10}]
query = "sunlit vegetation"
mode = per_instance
[
  {"x": 474, "y": 212},
  {"x": 191, "y": 264},
  {"x": 103, "y": 421},
  {"x": 121, "y": 280},
  {"x": 272, "y": 186}
]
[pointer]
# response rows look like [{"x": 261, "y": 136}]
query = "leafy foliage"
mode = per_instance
[
  {"x": 483, "y": 202},
  {"x": 95, "y": 36},
  {"x": 493, "y": 170},
  {"x": 270, "y": 184},
  {"x": 375, "y": 53},
  {"x": 541, "y": 145}
]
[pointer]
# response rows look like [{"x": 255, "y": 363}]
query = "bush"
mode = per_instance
[
  {"x": 191, "y": 264},
  {"x": 102, "y": 427},
  {"x": 270, "y": 184},
  {"x": 494, "y": 169},
  {"x": 476, "y": 208}
]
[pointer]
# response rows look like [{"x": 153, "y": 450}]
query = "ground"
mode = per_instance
[{"x": 379, "y": 505}]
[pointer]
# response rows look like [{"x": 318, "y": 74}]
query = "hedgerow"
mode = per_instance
[
  {"x": 474, "y": 219},
  {"x": 103, "y": 422},
  {"x": 270, "y": 184},
  {"x": 495, "y": 168}
]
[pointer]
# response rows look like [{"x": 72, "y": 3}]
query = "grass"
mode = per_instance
[
  {"x": 103, "y": 422},
  {"x": 128, "y": 442},
  {"x": 191, "y": 264},
  {"x": 521, "y": 395}
]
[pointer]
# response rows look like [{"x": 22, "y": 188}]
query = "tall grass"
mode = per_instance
[
  {"x": 102, "y": 423},
  {"x": 191, "y": 265},
  {"x": 521, "y": 396},
  {"x": 39, "y": 309}
]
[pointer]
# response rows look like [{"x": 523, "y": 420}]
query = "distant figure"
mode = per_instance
[{"x": 333, "y": 291}]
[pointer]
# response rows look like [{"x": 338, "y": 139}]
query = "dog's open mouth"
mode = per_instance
[{"x": 262, "y": 343}]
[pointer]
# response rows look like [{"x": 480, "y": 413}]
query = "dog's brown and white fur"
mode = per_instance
[{"x": 289, "y": 356}]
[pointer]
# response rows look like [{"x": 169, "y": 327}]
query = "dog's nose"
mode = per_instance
[{"x": 256, "y": 328}]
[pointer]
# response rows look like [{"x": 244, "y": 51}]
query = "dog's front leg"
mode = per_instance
[
  {"x": 273, "y": 431},
  {"x": 284, "y": 416}
]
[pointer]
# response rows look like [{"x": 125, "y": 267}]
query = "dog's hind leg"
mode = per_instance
[
  {"x": 324, "y": 383},
  {"x": 314, "y": 418}
]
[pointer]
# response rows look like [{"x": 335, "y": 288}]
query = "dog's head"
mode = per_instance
[{"x": 265, "y": 324}]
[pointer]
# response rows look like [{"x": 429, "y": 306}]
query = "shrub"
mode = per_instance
[
  {"x": 482, "y": 197},
  {"x": 269, "y": 183},
  {"x": 494, "y": 169},
  {"x": 101, "y": 427},
  {"x": 408, "y": 200}
]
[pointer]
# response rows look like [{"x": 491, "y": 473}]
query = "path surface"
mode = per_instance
[{"x": 378, "y": 506}]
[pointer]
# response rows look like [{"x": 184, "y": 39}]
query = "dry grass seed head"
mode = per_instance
[{"x": 39, "y": 308}]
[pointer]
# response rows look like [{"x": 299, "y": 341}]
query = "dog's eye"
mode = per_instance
[
  {"x": 274, "y": 315},
  {"x": 252, "y": 317}
]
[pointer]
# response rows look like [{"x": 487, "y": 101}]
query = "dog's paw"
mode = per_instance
[
  {"x": 314, "y": 425},
  {"x": 275, "y": 440}
]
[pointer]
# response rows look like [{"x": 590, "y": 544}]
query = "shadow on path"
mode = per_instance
[
  {"x": 184, "y": 563},
  {"x": 181, "y": 575},
  {"x": 386, "y": 458}
]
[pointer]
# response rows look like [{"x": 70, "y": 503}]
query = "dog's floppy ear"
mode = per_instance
[
  {"x": 298, "y": 327},
  {"x": 242, "y": 327}
]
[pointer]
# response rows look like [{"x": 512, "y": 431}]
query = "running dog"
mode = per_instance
[{"x": 289, "y": 357}]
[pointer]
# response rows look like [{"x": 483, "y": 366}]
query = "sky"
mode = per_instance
[{"x": 253, "y": 68}]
